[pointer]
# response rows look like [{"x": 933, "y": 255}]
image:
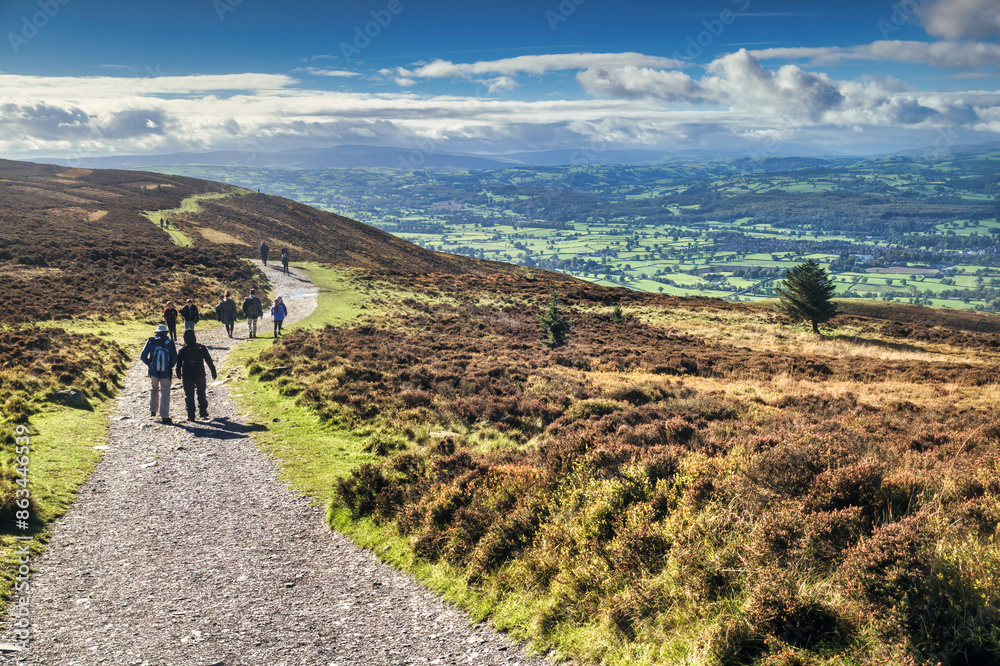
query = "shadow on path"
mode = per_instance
[{"x": 221, "y": 428}]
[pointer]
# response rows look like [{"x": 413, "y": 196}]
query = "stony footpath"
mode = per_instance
[{"x": 184, "y": 548}]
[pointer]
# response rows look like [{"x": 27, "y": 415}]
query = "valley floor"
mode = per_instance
[{"x": 184, "y": 547}]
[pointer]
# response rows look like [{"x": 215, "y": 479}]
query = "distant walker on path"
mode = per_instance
[
  {"x": 284, "y": 260},
  {"x": 160, "y": 355},
  {"x": 253, "y": 309},
  {"x": 263, "y": 252},
  {"x": 191, "y": 362}
]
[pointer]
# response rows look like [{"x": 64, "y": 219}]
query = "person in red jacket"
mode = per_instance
[{"x": 170, "y": 319}]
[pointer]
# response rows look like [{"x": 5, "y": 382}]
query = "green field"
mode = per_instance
[{"x": 723, "y": 229}]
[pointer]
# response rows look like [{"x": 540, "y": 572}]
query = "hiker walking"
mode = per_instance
[
  {"x": 170, "y": 319},
  {"x": 227, "y": 313},
  {"x": 278, "y": 314},
  {"x": 191, "y": 360},
  {"x": 263, "y": 252},
  {"x": 190, "y": 314},
  {"x": 284, "y": 259},
  {"x": 160, "y": 355},
  {"x": 252, "y": 310}
]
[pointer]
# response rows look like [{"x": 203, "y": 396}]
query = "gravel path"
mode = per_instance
[{"x": 185, "y": 548}]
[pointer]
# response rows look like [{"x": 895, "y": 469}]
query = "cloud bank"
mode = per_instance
[{"x": 626, "y": 100}]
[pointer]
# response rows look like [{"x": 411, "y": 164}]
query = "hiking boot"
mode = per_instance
[
  {"x": 167, "y": 420},
  {"x": 204, "y": 415},
  {"x": 152, "y": 413},
  {"x": 190, "y": 416}
]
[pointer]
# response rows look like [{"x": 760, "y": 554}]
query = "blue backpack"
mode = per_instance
[{"x": 159, "y": 359}]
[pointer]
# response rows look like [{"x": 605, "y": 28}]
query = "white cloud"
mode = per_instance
[
  {"x": 65, "y": 87},
  {"x": 736, "y": 101},
  {"x": 947, "y": 54},
  {"x": 789, "y": 94},
  {"x": 501, "y": 84},
  {"x": 316, "y": 71},
  {"x": 536, "y": 64},
  {"x": 961, "y": 19}
]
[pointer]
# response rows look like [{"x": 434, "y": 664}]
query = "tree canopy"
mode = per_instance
[{"x": 805, "y": 294}]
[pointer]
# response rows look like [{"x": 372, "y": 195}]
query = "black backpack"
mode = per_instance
[{"x": 193, "y": 360}]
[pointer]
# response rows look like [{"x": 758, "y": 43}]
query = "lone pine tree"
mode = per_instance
[
  {"x": 806, "y": 294},
  {"x": 554, "y": 324}
]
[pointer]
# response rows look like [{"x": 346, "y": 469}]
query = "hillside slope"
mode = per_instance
[{"x": 82, "y": 242}]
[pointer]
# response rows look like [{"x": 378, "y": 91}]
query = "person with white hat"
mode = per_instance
[{"x": 160, "y": 355}]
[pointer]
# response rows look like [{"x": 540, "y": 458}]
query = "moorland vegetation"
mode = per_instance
[
  {"x": 692, "y": 483},
  {"x": 682, "y": 480}
]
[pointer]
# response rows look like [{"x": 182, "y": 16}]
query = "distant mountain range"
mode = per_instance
[{"x": 417, "y": 158}]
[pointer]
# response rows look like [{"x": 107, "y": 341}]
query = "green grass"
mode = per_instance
[
  {"x": 340, "y": 296},
  {"x": 176, "y": 235},
  {"x": 311, "y": 456},
  {"x": 61, "y": 457},
  {"x": 188, "y": 205},
  {"x": 129, "y": 334}
]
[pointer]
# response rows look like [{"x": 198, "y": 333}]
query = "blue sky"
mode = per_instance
[{"x": 763, "y": 77}]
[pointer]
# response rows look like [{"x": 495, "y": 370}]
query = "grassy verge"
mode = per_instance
[
  {"x": 62, "y": 456},
  {"x": 340, "y": 297},
  {"x": 311, "y": 456}
]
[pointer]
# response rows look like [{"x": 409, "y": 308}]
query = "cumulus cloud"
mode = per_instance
[
  {"x": 501, "y": 84},
  {"x": 739, "y": 81},
  {"x": 947, "y": 54},
  {"x": 961, "y": 19}
]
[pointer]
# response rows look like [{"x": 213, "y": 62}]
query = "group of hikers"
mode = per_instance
[
  {"x": 265, "y": 250},
  {"x": 227, "y": 313},
  {"x": 161, "y": 355}
]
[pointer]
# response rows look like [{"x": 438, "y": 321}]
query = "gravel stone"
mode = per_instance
[{"x": 184, "y": 547}]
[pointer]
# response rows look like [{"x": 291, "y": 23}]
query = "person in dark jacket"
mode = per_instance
[
  {"x": 160, "y": 355},
  {"x": 191, "y": 360},
  {"x": 170, "y": 319},
  {"x": 253, "y": 309},
  {"x": 263, "y": 252},
  {"x": 190, "y": 314},
  {"x": 284, "y": 259},
  {"x": 226, "y": 312}
]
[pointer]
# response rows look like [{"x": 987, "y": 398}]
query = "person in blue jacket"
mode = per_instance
[
  {"x": 278, "y": 314},
  {"x": 160, "y": 355}
]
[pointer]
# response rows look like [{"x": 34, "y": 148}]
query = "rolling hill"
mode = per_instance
[{"x": 88, "y": 242}]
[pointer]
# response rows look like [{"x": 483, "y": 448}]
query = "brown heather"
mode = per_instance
[
  {"x": 687, "y": 487},
  {"x": 690, "y": 481}
]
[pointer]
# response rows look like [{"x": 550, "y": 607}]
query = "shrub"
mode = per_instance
[
  {"x": 360, "y": 490},
  {"x": 887, "y": 573}
]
